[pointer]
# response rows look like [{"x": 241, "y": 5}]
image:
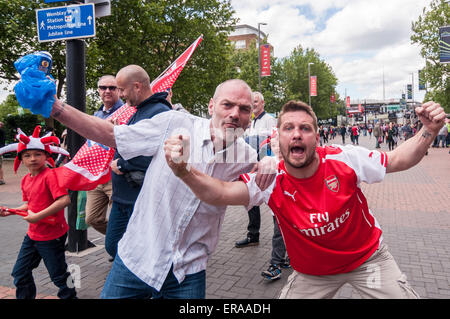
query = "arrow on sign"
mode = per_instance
[{"x": 89, "y": 19}]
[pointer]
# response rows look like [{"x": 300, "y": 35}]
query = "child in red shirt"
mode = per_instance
[{"x": 43, "y": 198}]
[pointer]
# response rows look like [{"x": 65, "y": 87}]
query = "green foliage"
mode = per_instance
[
  {"x": 13, "y": 116},
  {"x": 288, "y": 79},
  {"x": 153, "y": 34},
  {"x": 426, "y": 34},
  {"x": 148, "y": 33},
  {"x": 18, "y": 37},
  {"x": 244, "y": 65},
  {"x": 9, "y": 107},
  {"x": 26, "y": 122},
  {"x": 296, "y": 71}
]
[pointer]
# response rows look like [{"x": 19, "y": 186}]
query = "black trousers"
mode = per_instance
[{"x": 254, "y": 223}]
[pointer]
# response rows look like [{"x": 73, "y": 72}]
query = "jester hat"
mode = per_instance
[{"x": 33, "y": 142}]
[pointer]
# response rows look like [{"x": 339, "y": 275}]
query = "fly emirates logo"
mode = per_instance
[{"x": 322, "y": 224}]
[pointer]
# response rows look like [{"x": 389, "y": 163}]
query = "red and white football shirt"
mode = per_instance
[{"x": 325, "y": 221}]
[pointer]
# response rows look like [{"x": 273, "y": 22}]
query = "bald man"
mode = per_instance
[
  {"x": 170, "y": 235},
  {"x": 127, "y": 176},
  {"x": 133, "y": 85}
]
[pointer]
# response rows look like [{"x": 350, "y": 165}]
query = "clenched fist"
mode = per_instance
[
  {"x": 177, "y": 149},
  {"x": 432, "y": 116}
]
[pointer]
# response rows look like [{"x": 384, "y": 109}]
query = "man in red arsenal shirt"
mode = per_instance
[{"x": 331, "y": 236}]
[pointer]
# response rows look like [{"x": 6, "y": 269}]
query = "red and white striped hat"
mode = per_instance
[{"x": 33, "y": 142}]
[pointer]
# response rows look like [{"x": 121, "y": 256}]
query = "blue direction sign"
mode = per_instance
[{"x": 69, "y": 22}]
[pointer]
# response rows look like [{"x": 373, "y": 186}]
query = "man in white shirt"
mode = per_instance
[
  {"x": 171, "y": 233},
  {"x": 260, "y": 129}
]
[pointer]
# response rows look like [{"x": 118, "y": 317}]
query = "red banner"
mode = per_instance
[
  {"x": 348, "y": 101},
  {"x": 333, "y": 99},
  {"x": 265, "y": 60},
  {"x": 313, "y": 85}
]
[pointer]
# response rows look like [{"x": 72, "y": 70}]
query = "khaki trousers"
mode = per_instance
[
  {"x": 379, "y": 277},
  {"x": 97, "y": 202}
]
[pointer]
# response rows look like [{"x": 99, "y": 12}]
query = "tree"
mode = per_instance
[
  {"x": 426, "y": 34},
  {"x": 9, "y": 107},
  {"x": 14, "y": 116},
  {"x": 148, "y": 33},
  {"x": 288, "y": 79},
  {"x": 244, "y": 66},
  {"x": 295, "y": 68},
  {"x": 18, "y": 34}
]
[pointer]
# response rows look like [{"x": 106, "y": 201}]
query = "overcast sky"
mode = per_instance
[{"x": 357, "y": 38}]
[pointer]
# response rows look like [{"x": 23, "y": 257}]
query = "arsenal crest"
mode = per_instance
[{"x": 332, "y": 183}]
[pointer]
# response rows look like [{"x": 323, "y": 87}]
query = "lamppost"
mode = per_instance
[
  {"x": 309, "y": 82},
  {"x": 259, "y": 52}
]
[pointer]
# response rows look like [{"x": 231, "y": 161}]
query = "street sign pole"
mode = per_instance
[
  {"x": 76, "y": 96},
  {"x": 73, "y": 23}
]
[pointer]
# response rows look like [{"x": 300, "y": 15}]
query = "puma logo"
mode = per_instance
[{"x": 290, "y": 195}]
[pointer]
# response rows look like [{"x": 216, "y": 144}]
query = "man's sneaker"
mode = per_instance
[
  {"x": 286, "y": 263},
  {"x": 274, "y": 272},
  {"x": 247, "y": 242},
  {"x": 2, "y": 182}
]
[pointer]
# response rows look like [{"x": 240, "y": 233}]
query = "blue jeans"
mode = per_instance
[
  {"x": 121, "y": 283},
  {"x": 441, "y": 140},
  {"x": 30, "y": 255},
  {"x": 117, "y": 225}
]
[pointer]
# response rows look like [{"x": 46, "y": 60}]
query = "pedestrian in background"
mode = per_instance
[
  {"x": 98, "y": 200},
  {"x": 377, "y": 135},
  {"x": 343, "y": 131},
  {"x": 355, "y": 133},
  {"x": 390, "y": 136},
  {"x": 260, "y": 129},
  {"x": 442, "y": 136}
]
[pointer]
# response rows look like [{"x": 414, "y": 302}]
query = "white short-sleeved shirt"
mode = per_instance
[
  {"x": 263, "y": 125},
  {"x": 325, "y": 220},
  {"x": 169, "y": 225}
]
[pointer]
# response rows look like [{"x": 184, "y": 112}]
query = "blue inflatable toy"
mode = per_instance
[{"x": 36, "y": 88}]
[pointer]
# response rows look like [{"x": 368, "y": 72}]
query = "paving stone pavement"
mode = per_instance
[{"x": 412, "y": 208}]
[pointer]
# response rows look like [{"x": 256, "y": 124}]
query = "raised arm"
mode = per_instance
[
  {"x": 214, "y": 191},
  {"x": 91, "y": 127},
  {"x": 410, "y": 153},
  {"x": 208, "y": 189}
]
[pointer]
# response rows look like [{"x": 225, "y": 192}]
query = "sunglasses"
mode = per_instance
[{"x": 111, "y": 88}]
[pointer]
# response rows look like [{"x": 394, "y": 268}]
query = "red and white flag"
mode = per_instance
[
  {"x": 169, "y": 76},
  {"x": 91, "y": 164}
]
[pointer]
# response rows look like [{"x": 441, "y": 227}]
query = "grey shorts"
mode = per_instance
[{"x": 378, "y": 277}]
